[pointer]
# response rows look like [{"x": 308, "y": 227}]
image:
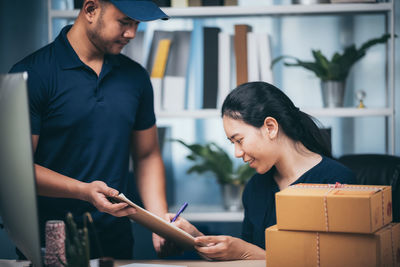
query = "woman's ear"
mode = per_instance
[{"x": 271, "y": 127}]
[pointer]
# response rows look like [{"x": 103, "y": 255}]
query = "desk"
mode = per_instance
[
  {"x": 247, "y": 263},
  {"x": 199, "y": 263}
]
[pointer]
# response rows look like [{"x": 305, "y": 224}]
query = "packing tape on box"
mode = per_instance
[
  {"x": 392, "y": 239},
  {"x": 319, "y": 251},
  {"x": 344, "y": 187}
]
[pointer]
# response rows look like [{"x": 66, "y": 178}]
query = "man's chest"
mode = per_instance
[{"x": 77, "y": 99}]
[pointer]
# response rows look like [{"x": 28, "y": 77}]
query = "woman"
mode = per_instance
[{"x": 284, "y": 146}]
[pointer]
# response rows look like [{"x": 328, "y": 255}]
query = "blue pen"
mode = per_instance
[{"x": 180, "y": 211}]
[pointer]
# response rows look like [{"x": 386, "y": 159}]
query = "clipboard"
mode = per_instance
[{"x": 157, "y": 225}]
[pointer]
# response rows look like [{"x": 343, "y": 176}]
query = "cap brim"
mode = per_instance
[{"x": 140, "y": 10}]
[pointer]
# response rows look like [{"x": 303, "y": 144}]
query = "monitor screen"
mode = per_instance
[{"x": 18, "y": 203}]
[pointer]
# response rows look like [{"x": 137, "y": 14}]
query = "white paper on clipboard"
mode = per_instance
[{"x": 158, "y": 225}]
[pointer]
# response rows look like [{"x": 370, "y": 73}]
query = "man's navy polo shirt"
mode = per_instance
[
  {"x": 259, "y": 196},
  {"x": 84, "y": 121}
]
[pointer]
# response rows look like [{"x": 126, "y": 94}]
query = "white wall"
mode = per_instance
[{"x": 18, "y": 38}]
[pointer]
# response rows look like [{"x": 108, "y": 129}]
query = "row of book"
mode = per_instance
[
  {"x": 228, "y": 60},
  {"x": 188, "y": 3}
]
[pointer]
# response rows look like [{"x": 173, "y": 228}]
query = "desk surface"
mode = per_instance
[
  {"x": 243, "y": 263},
  {"x": 199, "y": 263}
]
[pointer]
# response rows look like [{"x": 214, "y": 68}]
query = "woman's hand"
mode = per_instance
[
  {"x": 97, "y": 192},
  {"x": 227, "y": 248},
  {"x": 186, "y": 226}
]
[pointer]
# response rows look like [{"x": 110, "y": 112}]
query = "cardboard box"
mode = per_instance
[
  {"x": 323, "y": 207},
  {"x": 300, "y": 248}
]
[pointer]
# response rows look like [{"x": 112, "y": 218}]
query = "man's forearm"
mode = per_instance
[
  {"x": 150, "y": 179},
  {"x": 53, "y": 184}
]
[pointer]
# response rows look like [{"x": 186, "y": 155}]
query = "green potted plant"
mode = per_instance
[
  {"x": 333, "y": 72},
  {"x": 77, "y": 247},
  {"x": 211, "y": 157}
]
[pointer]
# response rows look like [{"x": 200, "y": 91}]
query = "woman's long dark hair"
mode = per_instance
[{"x": 253, "y": 102}]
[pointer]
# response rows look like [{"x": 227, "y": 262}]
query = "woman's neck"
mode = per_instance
[{"x": 296, "y": 160}]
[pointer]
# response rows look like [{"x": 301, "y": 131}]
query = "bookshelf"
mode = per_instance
[
  {"x": 279, "y": 10},
  {"x": 322, "y": 112},
  {"x": 385, "y": 8},
  {"x": 387, "y": 111}
]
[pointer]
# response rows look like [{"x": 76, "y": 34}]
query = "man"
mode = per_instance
[{"x": 89, "y": 105}]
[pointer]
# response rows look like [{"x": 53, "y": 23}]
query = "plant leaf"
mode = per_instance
[
  {"x": 276, "y": 60},
  {"x": 340, "y": 64},
  {"x": 372, "y": 42}
]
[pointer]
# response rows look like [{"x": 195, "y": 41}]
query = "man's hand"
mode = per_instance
[
  {"x": 158, "y": 242},
  {"x": 227, "y": 248},
  {"x": 97, "y": 192}
]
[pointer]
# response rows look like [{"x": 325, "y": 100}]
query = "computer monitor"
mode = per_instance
[{"x": 18, "y": 203}]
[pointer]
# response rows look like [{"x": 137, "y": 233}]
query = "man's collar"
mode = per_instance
[{"x": 68, "y": 59}]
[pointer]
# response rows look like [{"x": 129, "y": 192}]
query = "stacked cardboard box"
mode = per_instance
[{"x": 333, "y": 225}]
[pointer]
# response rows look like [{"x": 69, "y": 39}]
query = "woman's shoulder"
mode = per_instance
[
  {"x": 259, "y": 182},
  {"x": 260, "y": 179},
  {"x": 330, "y": 171}
]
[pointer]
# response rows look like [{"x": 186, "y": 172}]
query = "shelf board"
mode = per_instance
[
  {"x": 214, "y": 213},
  {"x": 190, "y": 114},
  {"x": 349, "y": 112},
  {"x": 318, "y": 112},
  {"x": 223, "y": 216},
  {"x": 277, "y": 10},
  {"x": 229, "y": 11},
  {"x": 64, "y": 14}
]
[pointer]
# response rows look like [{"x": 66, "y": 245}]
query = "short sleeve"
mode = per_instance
[
  {"x": 145, "y": 117},
  {"x": 35, "y": 96}
]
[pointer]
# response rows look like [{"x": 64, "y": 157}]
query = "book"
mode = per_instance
[
  {"x": 156, "y": 224},
  {"x": 158, "y": 72},
  {"x": 224, "y": 66},
  {"x": 179, "y": 54},
  {"x": 161, "y": 58},
  {"x": 176, "y": 73},
  {"x": 210, "y": 66},
  {"x": 158, "y": 35},
  {"x": 135, "y": 48},
  {"x": 212, "y": 2},
  {"x": 264, "y": 57},
  {"x": 230, "y": 2},
  {"x": 240, "y": 42},
  {"x": 179, "y": 3},
  {"x": 157, "y": 84},
  {"x": 78, "y": 4},
  {"x": 253, "y": 58},
  {"x": 162, "y": 3},
  {"x": 174, "y": 93},
  {"x": 194, "y": 2}
]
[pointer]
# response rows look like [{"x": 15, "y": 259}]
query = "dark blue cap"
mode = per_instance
[{"x": 140, "y": 10}]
